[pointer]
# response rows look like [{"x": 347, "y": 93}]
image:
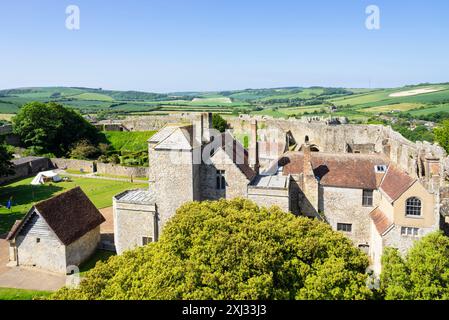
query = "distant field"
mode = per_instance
[
  {"x": 129, "y": 141},
  {"x": 430, "y": 110},
  {"x": 93, "y": 96},
  {"x": 358, "y": 103},
  {"x": 6, "y": 116},
  {"x": 212, "y": 100},
  {"x": 392, "y": 107}
]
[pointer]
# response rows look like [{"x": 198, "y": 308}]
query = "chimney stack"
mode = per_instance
[
  {"x": 309, "y": 183},
  {"x": 207, "y": 125},
  {"x": 307, "y": 165},
  {"x": 254, "y": 148}
]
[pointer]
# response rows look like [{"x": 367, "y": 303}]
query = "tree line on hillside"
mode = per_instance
[{"x": 233, "y": 250}]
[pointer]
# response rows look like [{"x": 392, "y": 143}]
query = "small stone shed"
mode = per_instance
[{"x": 56, "y": 233}]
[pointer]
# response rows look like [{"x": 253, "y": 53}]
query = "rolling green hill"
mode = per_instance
[{"x": 357, "y": 103}]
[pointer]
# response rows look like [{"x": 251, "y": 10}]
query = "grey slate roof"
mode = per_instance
[{"x": 138, "y": 196}]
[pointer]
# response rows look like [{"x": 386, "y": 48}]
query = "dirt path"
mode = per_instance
[{"x": 24, "y": 278}]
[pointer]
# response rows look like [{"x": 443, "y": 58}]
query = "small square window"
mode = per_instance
[
  {"x": 38, "y": 240},
  {"x": 344, "y": 227},
  {"x": 380, "y": 168},
  {"x": 146, "y": 240}
]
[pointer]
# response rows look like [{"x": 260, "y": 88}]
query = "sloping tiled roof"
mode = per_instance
[
  {"x": 70, "y": 215},
  {"x": 396, "y": 182},
  {"x": 235, "y": 150},
  {"x": 337, "y": 170},
  {"x": 380, "y": 220}
]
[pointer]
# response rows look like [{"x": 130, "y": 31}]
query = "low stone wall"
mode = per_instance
[
  {"x": 26, "y": 167},
  {"x": 117, "y": 170},
  {"x": 73, "y": 164}
]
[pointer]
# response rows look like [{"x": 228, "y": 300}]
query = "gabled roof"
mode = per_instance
[
  {"x": 396, "y": 182},
  {"x": 237, "y": 153},
  {"x": 381, "y": 221},
  {"x": 69, "y": 215},
  {"x": 162, "y": 134},
  {"x": 337, "y": 170},
  {"x": 178, "y": 139}
]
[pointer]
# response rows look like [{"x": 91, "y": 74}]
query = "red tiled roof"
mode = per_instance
[
  {"x": 396, "y": 182},
  {"x": 380, "y": 220},
  {"x": 338, "y": 170}
]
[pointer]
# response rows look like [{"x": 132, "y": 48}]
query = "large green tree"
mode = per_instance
[
  {"x": 52, "y": 128},
  {"x": 6, "y": 167},
  {"x": 233, "y": 250},
  {"x": 442, "y": 135},
  {"x": 423, "y": 274},
  {"x": 219, "y": 123}
]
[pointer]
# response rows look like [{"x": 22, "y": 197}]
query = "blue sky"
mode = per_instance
[{"x": 174, "y": 45}]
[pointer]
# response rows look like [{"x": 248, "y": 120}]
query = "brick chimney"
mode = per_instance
[{"x": 254, "y": 147}]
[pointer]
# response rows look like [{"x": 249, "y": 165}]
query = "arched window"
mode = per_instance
[
  {"x": 307, "y": 140},
  {"x": 413, "y": 207}
]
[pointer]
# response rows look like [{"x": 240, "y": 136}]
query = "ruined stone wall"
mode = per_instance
[
  {"x": 81, "y": 249},
  {"x": 149, "y": 123},
  {"x": 336, "y": 138}
]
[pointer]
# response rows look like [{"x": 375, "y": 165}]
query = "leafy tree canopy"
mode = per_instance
[
  {"x": 52, "y": 128},
  {"x": 442, "y": 135},
  {"x": 422, "y": 275},
  {"x": 219, "y": 123},
  {"x": 232, "y": 249},
  {"x": 6, "y": 166}
]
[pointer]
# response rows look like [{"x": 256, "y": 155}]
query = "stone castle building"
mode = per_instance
[{"x": 364, "y": 194}]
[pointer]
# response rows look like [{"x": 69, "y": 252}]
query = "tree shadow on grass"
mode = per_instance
[{"x": 23, "y": 198}]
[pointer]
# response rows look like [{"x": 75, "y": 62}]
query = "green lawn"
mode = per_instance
[
  {"x": 134, "y": 141},
  {"x": 18, "y": 294},
  {"x": 24, "y": 195}
]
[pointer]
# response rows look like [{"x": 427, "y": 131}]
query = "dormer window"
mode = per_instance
[{"x": 380, "y": 168}]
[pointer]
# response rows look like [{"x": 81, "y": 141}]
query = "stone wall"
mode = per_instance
[
  {"x": 80, "y": 250},
  {"x": 236, "y": 181},
  {"x": 98, "y": 167},
  {"x": 131, "y": 223},
  {"x": 174, "y": 181},
  {"x": 46, "y": 253},
  {"x": 344, "y": 205},
  {"x": 268, "y": 197},
  {"x": 26, "y": 169},
  {"x": 118, "y": 170},
  {"x": 73, "y": 164},
  {"x": 150, "y": 123}
]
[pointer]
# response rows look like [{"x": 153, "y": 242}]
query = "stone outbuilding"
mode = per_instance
[{"x": 57, "y": 233}]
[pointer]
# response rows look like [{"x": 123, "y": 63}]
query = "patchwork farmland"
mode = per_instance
[{"x": 278, "y": 102}]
